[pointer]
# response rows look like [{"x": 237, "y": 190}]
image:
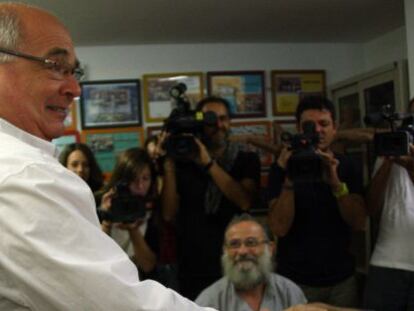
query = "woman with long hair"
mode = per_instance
[
  {"x": 138, "y": 236},
  {"x": 79, "y": 158}
]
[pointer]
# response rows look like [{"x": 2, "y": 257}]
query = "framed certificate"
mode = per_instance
[
  {"x": 290, "y": 86},
  {"x": 158, "y": 103}
]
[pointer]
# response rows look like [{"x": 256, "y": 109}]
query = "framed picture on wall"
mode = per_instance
[
  {"x": 290, "y": 86},
  {"x": 158, "y": 103},
  {"x": 261, "y": 129},
  {"x": 244, "y": 90},
  {"x": 112, "y": 103},
  {"x": 107, "y": 144}
]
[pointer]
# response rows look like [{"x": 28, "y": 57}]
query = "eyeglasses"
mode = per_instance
[
  {"x": 63, "y": 69},
  {"x": 249, "y": 242}
]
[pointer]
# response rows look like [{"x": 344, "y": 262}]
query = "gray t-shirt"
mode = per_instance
[{"x": 280, "y": 293}]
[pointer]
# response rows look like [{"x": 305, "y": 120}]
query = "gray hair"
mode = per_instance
[
  {"x": 247, "y": 217},
  {"x": 10, "y": 29}
]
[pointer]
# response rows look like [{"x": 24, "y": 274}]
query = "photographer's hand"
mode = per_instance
[
  {"x": 144, "y": 257},
  {"x": 106, "y": 202},
  {"x": 284, "y": 157},
  {"x": 331, "y": 164},
  {"x": 159, "y": 149},
  {"x": 130, "y": 226},
  {"x": 351, "y": 205},
  {"x": 204, "y": 157}
]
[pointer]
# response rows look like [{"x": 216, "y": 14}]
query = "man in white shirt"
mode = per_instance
[
  {"x": 54, "y": 255},
  {"x": 390, "y": 282}
]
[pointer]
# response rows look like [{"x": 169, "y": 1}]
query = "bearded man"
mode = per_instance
[{"x": 248, "y": 282}]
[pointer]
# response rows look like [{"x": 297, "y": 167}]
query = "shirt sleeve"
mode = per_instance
[
  {"x": 209, "y": 298},
  {"x": 55, "y": 256}
]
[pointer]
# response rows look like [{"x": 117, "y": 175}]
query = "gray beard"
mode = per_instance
[{"x": 246, "y": 278}]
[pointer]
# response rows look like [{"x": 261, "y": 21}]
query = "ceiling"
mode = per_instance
[{"x": 124, "y": 22}]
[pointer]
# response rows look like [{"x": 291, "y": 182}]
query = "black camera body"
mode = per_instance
[
  {"x": 304, "y": 165},
  {"x": 183, "y": 124},
  {"x": 125, "y": 206},
  {"x": 397, "y": 142}
]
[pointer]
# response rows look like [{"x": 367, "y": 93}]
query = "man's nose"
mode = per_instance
[
  {"x": 72, "y": 87},
  {"x": 318, "y": 128},
  {"x": 242, "y": 249}
]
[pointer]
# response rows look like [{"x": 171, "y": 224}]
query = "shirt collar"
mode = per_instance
[{"x": 46, "y": 146}]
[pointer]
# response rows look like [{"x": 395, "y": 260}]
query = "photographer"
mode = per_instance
[
  {"x": 313, "y": 218},
  {"x": 138, "y": 237},
  {"x": 390, "y": 201},
  {"x": 203, "y": 193}
]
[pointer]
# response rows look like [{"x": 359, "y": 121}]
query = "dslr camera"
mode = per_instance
[
  {"x": 125, "y": 206},
  {"x": 304, "y": 165},
  {"x": 183, "y": 124},
  {"x": 397, "y": 141}
]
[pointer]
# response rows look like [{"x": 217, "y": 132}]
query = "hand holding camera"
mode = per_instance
[
  {"x": 397, "y": 141},
  {"x": 304, "y": 165},
  {"x": 119, "y": 205},
  {"x": 183, "y": 125},
  {"x": 203, "y": 157},
  {"x": 330, "y": 173},
  {"x": 284, "y": 156}
]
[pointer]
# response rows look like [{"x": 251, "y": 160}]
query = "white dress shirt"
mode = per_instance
[
  {"x": 393, "y": 248},
  {"x": 54, "y": 255}
]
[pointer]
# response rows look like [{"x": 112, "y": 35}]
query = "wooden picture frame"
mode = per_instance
[
  {"x": 244, "y": 90},
  {"x": 107, "y": 144},
  {"x": 110, "y": 103},
  {"x": 262, "y": 129},
  {"x": 158, "y": 103},
  {"x": 290, "y": 86}
]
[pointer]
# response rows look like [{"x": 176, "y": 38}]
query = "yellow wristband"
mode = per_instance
[{"x": 343, "y": 190}]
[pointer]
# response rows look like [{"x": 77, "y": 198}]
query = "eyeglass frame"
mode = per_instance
[
  {"x": 75, "y": 71},
  {"x": 245, "y": 242}
]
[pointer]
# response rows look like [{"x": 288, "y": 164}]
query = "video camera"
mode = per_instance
[
  {"x": 304, "y": 165},
  {"x": 125, "y": 207},
  {"x": 184, "y": 124},
  {"x": 394, "y": 143}
]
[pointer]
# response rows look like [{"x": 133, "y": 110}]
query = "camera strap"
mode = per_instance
[{"x": 226, "y": 161}]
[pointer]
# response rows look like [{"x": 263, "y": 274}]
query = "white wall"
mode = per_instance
[
  {"x": 115, "y": 62},
  {"x": 386, "y": 49},
  {"x": 130, "y": 62}
]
